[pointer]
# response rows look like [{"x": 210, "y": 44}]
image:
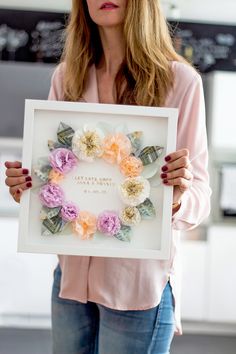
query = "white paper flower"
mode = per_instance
[
  {"x": 87, "y": 143},
  {"x": 134, "y": 191},
  {"x": 130, "y": 216}
]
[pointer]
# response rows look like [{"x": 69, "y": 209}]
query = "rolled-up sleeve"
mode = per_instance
[{"x": 195, "y": 203}]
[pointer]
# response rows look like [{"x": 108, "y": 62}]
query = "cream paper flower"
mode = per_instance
[
  {"x": 130, "y": 216},
  {"x": 87, "y": 143},
  {"x": 134, "y": 191}
]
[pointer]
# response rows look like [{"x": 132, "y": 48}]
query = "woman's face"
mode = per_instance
[{"x": 107, "y": 13}]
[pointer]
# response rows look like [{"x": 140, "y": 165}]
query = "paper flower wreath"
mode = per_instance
[{"x": 135, "y": 163}]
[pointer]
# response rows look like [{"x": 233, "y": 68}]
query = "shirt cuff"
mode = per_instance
[{"x": 182, "y": 210}]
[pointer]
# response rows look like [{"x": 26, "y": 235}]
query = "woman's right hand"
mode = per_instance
[{"x": 17, "y": 180}]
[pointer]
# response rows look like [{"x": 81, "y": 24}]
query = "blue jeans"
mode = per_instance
[{"x": 95, "y": 329}]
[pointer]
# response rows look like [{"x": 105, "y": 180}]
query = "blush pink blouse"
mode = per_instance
[{"x": 131, "y": 284}]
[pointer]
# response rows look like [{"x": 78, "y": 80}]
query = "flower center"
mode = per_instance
[
  {"x": 134, "y": 188},
  {"x": 114, "y": 147},
  {"x": 63, "y": 160},
  {"x": 85, "y": 226},
  {"x": 91, "y": 142},
  {"x": 129, "y": 213}
]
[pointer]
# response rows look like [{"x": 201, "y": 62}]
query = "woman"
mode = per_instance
[{"x": 121, "y": 52}]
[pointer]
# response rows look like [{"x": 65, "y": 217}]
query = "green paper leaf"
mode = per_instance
[
  {"x": 52, "y": 145},
  {"x": 121, "y": 128},
  {"x": 155, "y": 181},
  {"x": 106, "y": 128},
  {"x": 48, "y": 213},
  {"x": 65, "y": 134},
  {"x": 42, "y": 169},
  {"x": 147, "y": 209},
  {"x": 53, "y": 226},
  {"x": 150, "y": 170},
  {"x": 150, "y": 154},
  {"x": 136, "y": 139},
  {"x": 124, "y": 234}
]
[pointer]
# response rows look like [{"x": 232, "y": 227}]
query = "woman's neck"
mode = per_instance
[{"x": 113, "y": 48}]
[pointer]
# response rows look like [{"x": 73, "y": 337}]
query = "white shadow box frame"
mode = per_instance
[{"x": 151, "y": 239}]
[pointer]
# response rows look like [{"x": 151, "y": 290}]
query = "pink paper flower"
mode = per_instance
[
  {"x": 69, "y": 211},
  {"x": 85, "y": 225},
  {"x": 51, "y": 195},
  {"x": 62, "y": 160},
  {"x": 108, "y": 223},
  {"x": 116, "y": 147},
  {"x": 131, "y": 166}
]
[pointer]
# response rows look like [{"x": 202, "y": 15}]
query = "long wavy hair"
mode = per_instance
[{"x": 145, "y": 76}]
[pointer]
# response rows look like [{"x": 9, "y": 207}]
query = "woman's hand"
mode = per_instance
[
  {"x": 178, "y": 173},
  {"x": 17, "y": 180}
]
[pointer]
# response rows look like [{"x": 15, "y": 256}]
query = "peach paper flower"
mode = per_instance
[
  {"x": 55, "y": 176},
  {"x": 85, "y": 225},
  {"x": 116, "y": 147},
  {"x": 131, "y": 166}
]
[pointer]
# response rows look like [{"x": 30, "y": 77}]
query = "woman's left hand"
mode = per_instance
[{"x": 177, "y": 172}]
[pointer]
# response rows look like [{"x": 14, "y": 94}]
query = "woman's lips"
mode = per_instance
[{"x": 108, "y": 6}]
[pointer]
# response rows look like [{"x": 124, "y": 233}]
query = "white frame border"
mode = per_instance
[{"x": 31, "y": 106}]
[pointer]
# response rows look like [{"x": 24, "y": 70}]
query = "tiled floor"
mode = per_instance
[
  {"x": 18, "y": 341},
  {"x": 200, "y": 344}
]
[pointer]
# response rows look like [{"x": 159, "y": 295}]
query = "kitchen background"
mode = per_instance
[{"x": 30, "y": 46}]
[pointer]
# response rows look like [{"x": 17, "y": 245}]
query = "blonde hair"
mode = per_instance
[{"x": 145, "y": 76}]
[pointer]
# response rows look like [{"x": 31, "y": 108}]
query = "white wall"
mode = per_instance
[
  {"x": 221, "y": 108},
  {"x": 25, "y": 281},
  {"x": 54, "y": 5},
  {"x": 208, "y": 10},
  {"x": 200, "y": 10}
]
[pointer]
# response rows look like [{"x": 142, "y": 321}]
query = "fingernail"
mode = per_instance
[
  {"x": 29, "y": 185},
  {"x": 165, "y": 181},
  {"x": 18, "y": 191},
  {"x": 164, "y": 168},
  {"x": 167, "y": 158},
  {"x": 27, "y": 179},
  {"x": 163, "y": 175},
  {"x": 25, "y": 171}
]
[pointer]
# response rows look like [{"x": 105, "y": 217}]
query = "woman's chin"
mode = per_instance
[
  {"x": 109, "y": 25},
  {"x": 109, "y": 20}
]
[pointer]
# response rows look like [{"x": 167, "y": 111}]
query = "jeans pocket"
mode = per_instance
[
  {"x": 56, "y": 288},
  {"x": 57, "y": 276},
  {"x": 56, "y": 282}
]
